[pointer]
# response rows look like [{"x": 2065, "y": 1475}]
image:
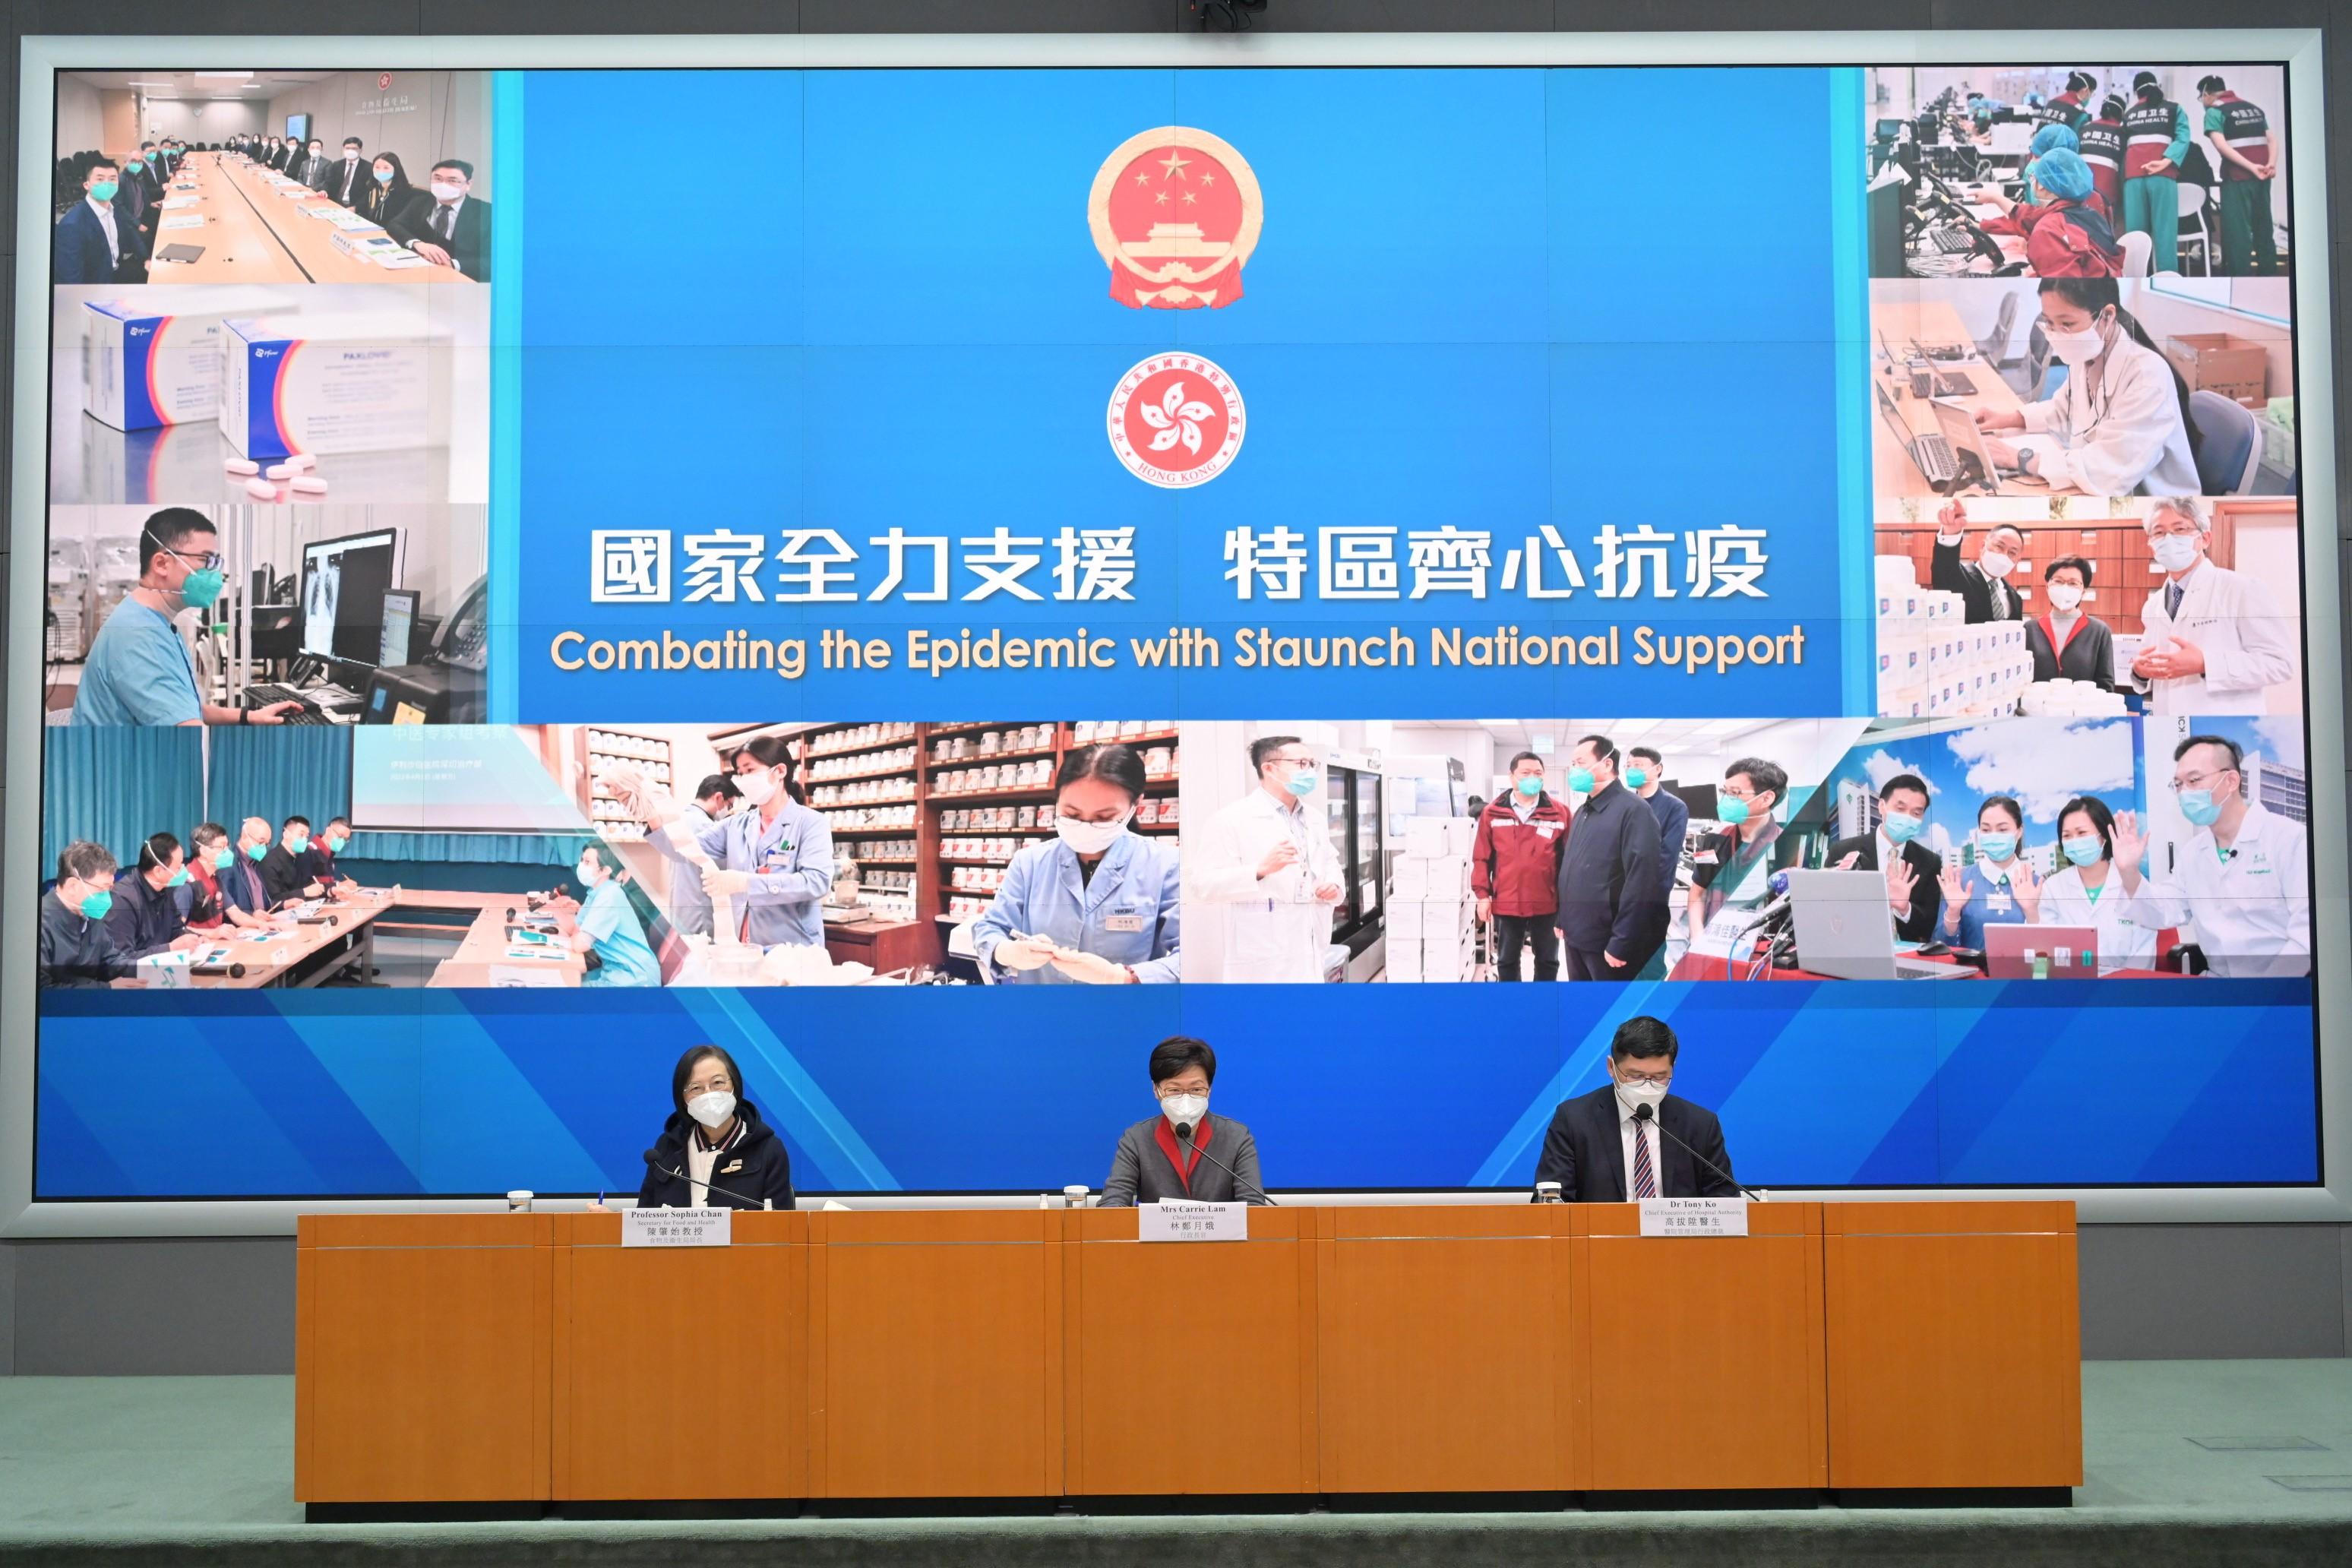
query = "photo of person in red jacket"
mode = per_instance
[{"x": 1515, "y": 870}]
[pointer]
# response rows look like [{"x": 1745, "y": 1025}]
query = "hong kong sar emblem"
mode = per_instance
[
  {"x": 1176, "y": 420},
  {"x": 1175, "y": 213}
]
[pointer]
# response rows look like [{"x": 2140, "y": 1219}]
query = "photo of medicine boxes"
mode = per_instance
[
  {"x": 1430, "y": 918},
  {"x": 1932, "y": 663},
  {"x": 358, "y": 382},
  {"x": 147, "y": 364}
]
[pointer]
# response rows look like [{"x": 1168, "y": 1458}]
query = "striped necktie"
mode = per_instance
[
  {"x": 2172, "y": 599},
  {"x": 1645, "y": 1181}
]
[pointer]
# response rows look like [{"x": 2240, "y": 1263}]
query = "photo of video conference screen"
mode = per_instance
[{"x": 479, "y": 665}]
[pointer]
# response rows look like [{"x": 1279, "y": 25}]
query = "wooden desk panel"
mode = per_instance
[
  {"x": 1706, "y": 1357},
  {"x": 422, "y": 1357},
  {"x": 639, "y": 1330},
  {"x": 1235, "y": 1320},
  {"x": 1954, "y": 1344},
  {"x": 1444, "y": 1360},
  {"x": 935, "y": 1353}
]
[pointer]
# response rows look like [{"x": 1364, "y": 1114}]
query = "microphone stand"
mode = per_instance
[
  {"x": 1184, "y": 1140},
  {"x": 1644, "y": 1115}
]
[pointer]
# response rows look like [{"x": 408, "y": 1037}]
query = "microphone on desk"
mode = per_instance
[
  {"x": 1184, "y": 1140},
  {"x": 1643, "y": 1113},
  {"x": 653, "y": 1158}
]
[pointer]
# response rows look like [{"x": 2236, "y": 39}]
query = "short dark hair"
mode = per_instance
[
  {"x": 773, "y": 751},
  {"x": 1177, "y": 1052},
  {"x": 1524, "y": 757},
  {"x": 2210, "y": 84},
  {"x": 2237, "y": 755},
  {"x": 168, "y": 530},
  {"x": 1266, "y": 746},
  {"x": 1643, "y": 1036},
  {"x": 353, "y": 141},
  {"x": 685, "y": 1069},
  {"x": 344, "y": 820},
  {"x": 303, "y": 822},
  {"x": 1119, "y": 766},
  {"x": 158, "y": 848},
  {"x": 1904, "y": 781},
  {"x": 208, "y": 833},
  {"x": 1602, "y": 746},
  {"x": 2076, "y": 562},
  {"x": 1649, "y": 752},
  {"x": 718, "y": 785},
  {"x": 2008, "y": 804},
  {"x": 459, "y": 165},
  {"x": 1761, "y": 774},
  {"x": 2011, "y": 527},
  {"x": 2095, "y": 808},
  {"x": 90, "y": 862},
  {"x": 101, "y": 164}
]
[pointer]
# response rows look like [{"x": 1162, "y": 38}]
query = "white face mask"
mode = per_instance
[
  {"x": 2078, "y": 348},
  {"x": 588, "y": 872},
  {"x": 2176, "y": 552},
  {"x": 757, "y": 788},
  {"x": 711, "y": 1110},
  {"x": 443, "y": 191},
  {"x": 2064, "y": 595},
  {"x": 1996, "y": 564},
  {"x": 1640, "y": 1094},
  {"x": 1184, "y": 1109},
  {"x": 1089, "y": 837}
]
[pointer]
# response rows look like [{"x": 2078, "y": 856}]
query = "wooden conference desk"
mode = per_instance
[
  {"x": 287, "y": 957},
  {"x": 252, "y": 235},
  {"x": 1901, "y": 317},
  {"x": 1028, "y": 1353}
]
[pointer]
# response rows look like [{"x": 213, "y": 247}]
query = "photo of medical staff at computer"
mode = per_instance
[
  {"x": 2073, "y": 606},
  {"x": 238, "y": 616},
  {"x": 2083, "y": 386},
  {"x": 1481, "y": 849},
  {"x": 2077, "y": 171},
  {"x": 271, "y": 176},
  {"x": 277, "y": 394}
]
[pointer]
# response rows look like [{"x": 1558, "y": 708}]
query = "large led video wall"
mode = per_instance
[{"x": 1013, "y": 567}]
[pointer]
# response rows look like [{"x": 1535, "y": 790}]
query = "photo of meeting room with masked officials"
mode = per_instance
[
  {"x": 2077, "y": 171},
  {"x": 2083, "y": 386},
  {"x": 1033, "y": 853},
  {"x": 271, "y": 176},
  {"x": 265, "y": 616}
]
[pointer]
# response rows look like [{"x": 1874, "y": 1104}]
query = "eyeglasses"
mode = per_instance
[
  {"x": 209, "y": 561},
  {"x": 1627, "y": 1075},
  {"x": 2196, "y": 781}
]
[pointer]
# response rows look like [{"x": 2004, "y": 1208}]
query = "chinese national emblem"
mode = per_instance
[
  {"x": 1175, "y": 213},
  {"x": 1176, "y": 420}
]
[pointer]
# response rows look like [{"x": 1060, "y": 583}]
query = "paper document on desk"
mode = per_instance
[
  {"x": 185, "y": 220},
  {"x": 397, "y": 259},
  {"x": 168, "y": 203},
  {"x": 540, "y": 954},
  {"x": 516, "y": 977}
]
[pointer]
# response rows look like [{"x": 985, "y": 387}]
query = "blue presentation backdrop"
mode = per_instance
[
  {"x": 931, "y": 1088},
  {"x": 1473, "y": 304},
  {"x": 859, "y": 300}
]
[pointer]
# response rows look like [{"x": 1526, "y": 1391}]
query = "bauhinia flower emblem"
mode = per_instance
[{"x": 1176, "y": 417}]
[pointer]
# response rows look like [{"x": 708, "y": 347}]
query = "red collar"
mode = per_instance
[
  {"x": 2057, "y": 644},
  {"x": 1168, "y": 1146}
]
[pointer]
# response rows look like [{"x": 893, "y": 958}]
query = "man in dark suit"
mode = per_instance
[
  {"x": 1600, "y": 1150},
  {"x": 91, "y": 244},
  {"x": 447, "y": 225},
  {"x": 285, "y": 869},
  {"x": 1913, "y": 891},
  {"x": 347, "y": 182},
  {"x": 1183, "y": 1153},
  {"x": 1612, "y": 910},
  {"x": 310, "y": 166},
  {"x": 135, "y": 201},
  {"x": 1982, "y": 583}
]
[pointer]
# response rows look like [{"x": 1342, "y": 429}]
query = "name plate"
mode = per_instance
[
  {"x": 678, "y": 1227},
  {"x": 1693, "y": 1217},
  {"x": 1184, "y": 1220}
]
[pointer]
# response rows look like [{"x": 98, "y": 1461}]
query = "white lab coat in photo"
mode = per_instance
[
  {"x": 1273, "y": 931},
  {"x": 2128, "y": 440},
  {"x": 2249, "y": 645},
  {"x": 2250, "y": 910},
  {"x": 2124, "y": 942}
]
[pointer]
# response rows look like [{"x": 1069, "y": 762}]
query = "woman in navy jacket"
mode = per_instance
[{"x": 715, "y": 1140}]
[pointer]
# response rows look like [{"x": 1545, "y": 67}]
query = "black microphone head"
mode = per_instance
[
  {"x": 1642, "y": 1113},
  {"x": 1184, "y": 1131},
  {"x": 653, "y": 1157}
]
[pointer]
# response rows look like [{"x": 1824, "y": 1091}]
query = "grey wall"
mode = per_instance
[
  {"x": 227, "y": 1305},
  {"x": 423, "y": 116}
]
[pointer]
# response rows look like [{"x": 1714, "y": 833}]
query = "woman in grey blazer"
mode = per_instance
[{"x": 1185, "y": 1152}]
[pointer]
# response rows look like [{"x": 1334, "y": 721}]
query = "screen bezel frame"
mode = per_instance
[{"x": 2298, "y": 50}]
